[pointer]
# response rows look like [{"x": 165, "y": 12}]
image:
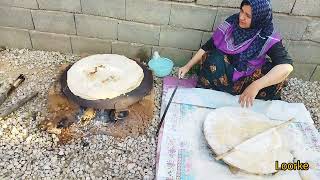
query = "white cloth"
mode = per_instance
[{"x": 184, "y": 153}]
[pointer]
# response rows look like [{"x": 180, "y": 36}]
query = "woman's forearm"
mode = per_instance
[
  {"x": 276, "y": 75},
  {"x": 196, "y": 58}
]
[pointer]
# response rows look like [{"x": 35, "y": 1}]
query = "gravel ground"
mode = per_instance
[
  {"x": 308, "y": 93},
  {"x": 28, "y": 153}
]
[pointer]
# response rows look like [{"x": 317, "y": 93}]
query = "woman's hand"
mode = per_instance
[
  {"x": 249, "y": 94},
  {"x": 276, "y": 75},
  {"x": 183, "y": 71},
  {"x": 195, "y": 60}
]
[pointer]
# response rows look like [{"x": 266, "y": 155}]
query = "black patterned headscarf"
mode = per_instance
[{"x": 261, "y": 24}]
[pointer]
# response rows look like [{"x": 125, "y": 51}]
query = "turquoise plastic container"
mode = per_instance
[{"x": 160, "y": 66}]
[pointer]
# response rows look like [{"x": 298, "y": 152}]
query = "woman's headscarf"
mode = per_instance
[{"x": 261, "y": 24}]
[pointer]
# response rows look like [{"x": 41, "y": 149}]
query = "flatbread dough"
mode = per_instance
[
  {"x": 104, "y": 76},
  {"x": 227, "y": 127}
]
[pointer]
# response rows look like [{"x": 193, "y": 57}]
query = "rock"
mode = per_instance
[
  {"x": 46, "y": 167},
  {"x": 130, "y": 166},
  {"x": 61, "y": 153}
]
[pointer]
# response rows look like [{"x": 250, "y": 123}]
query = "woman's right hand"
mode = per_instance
[{"x": 183, "y": 71}]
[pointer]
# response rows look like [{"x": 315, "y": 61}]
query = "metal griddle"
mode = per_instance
[{"x": 120, "y": 103}]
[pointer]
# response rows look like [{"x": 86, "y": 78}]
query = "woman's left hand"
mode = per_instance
[{"x": 248, "y": 95}]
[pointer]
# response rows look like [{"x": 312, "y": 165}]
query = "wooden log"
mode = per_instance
[
  {"x": 18, "y": 105},
  {"x": 14, "y": 85},
  {"x": 4, "y": 95}
]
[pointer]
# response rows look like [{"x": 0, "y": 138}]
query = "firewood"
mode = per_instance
[{"x": 16, "y": 106}]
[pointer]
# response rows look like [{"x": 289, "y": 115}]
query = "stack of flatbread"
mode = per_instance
[
  {"x": 254, "y": 150},
  {"x": 104, "y": 76}
]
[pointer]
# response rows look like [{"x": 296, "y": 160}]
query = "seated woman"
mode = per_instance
[{"x": 234, "y": 59}]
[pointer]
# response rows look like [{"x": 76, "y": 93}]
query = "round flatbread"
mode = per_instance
[
  {"x": 227, "y": 127},
  {"x": 104, "y": 76}
]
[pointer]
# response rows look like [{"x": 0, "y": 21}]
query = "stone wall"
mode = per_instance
[{"x": 137, "y": 28}]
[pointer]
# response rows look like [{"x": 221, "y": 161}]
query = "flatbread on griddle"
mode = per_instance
[{"x": 104, "y": 76}]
